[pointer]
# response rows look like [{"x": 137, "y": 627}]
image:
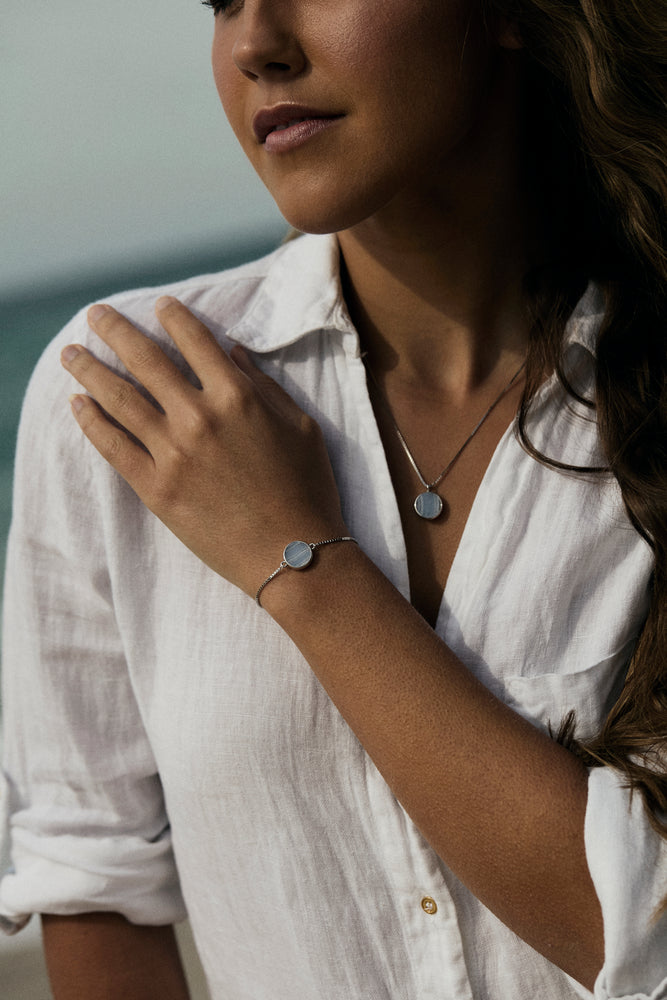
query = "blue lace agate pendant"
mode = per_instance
[{"x": 428, "y": 505}]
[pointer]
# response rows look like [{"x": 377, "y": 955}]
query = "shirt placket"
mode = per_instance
[
  {"x": 427, "y": 911},
  {"x": 430, "y": 925}
]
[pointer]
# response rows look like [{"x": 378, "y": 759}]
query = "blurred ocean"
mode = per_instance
[{"x": 30, "y": 322}]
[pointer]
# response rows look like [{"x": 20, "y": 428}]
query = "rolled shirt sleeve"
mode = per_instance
[
  {"x": 85, "y": 826},
  {"x": 627, "y": 859}
]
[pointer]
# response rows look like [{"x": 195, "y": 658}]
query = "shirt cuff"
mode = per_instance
[
  {"x": 69, "y": 874},
  {"x": 627, "y": 860}
]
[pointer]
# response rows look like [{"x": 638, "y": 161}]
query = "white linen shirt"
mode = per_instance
[{"x": 169, "y": 749}]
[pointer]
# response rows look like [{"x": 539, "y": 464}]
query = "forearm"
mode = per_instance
[
  {"x": 102, "y": 955},
  {"x": 498, "y": 800}
]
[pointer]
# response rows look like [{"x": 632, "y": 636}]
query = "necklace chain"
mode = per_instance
[{"x": 431, "y": 486}]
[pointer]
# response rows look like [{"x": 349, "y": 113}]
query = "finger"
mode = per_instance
[
  {"x": 113, "y": 393},
  {"x": 195, "y": 341},
  {"x": 132, "y": 461},
  {"x": 273, "y": 393},
  {"x": 141, "y": 356}
]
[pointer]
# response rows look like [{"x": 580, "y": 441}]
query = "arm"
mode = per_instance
[
  {"x": 88, "y": 829},
  {"x": 497, "y": 799},
  {"x": 104, "y": 956},
  {"x": 500, "y": 802}
]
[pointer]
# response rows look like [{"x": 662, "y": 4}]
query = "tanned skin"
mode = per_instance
[{"x": 102, "y": 956}]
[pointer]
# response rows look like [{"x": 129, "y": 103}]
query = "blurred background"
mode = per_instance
[{"x": 117, "y": 170}]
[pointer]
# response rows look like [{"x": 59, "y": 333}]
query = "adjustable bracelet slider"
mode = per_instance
[{"x": 298, "y": 555}]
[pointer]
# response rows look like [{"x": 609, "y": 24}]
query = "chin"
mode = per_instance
[
  {"x": 320, "y": 215},
  {"x": 315, "y": 226}
]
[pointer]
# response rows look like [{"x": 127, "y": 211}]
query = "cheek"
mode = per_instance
[{"x": 228, "y": 82}]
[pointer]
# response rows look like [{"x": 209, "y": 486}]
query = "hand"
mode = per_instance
[{"x": 235, "y": 468}]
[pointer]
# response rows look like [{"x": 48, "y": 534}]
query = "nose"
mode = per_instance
[{"x": 266, "y": 45}]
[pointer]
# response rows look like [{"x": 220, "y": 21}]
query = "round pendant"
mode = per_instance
[
  {"x": 428, "y": 505},
  {"x": 298, "y": 555}
]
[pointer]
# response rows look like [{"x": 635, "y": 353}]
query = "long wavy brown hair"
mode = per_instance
[{"x": 597, "y": 117}]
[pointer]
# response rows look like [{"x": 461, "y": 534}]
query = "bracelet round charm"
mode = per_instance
[{"x": 298, "y": 555}]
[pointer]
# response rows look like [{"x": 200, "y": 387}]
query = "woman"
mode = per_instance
[{"x": 355, "y": 772}]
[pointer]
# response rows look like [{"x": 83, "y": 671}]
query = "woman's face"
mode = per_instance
[{"x": 345, "y": 106}]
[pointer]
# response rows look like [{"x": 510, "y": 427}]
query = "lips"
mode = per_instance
[{"x": 284, "y": 116}]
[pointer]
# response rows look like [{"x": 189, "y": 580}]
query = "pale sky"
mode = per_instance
[{"x": 114, "y": 146}]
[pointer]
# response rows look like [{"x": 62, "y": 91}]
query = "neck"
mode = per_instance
[
  {"x": 434, "y": 280},
  {"x": 441, "y": 305}
]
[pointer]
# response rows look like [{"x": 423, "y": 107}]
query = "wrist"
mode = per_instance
[
  {"x": 298, "y": 556},
  {"x": 295, "y": 598}
]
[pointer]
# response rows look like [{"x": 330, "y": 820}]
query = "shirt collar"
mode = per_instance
[
  {"x": 583, "y": 325},
  {"x": 299, "y": 292}
]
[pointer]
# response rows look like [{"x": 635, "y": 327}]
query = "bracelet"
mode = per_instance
[{"x": 298, "y": 555}]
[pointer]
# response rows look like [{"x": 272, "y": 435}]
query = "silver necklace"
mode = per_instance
[{"x": 429, "y": 504}]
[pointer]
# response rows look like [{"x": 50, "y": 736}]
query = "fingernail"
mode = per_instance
[
  {"x": 69, "y": 353},
  {"x": 164, "y": 301},
  {"x": 97, "y": 312},
  {"x": 76, "y": 402}
]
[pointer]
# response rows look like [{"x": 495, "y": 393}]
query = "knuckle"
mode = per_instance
[
  {"x": 145, "y": 357},
  {"x": 238, "y": 400},
  {"x": 197, "y": 422},
  {"x": 123, "y": 396},
  {"x": 113, "y": 446},
  {"x": 174, "y": 461}
]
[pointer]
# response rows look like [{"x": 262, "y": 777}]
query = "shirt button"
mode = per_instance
[{"x": 429, "y": 905}]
